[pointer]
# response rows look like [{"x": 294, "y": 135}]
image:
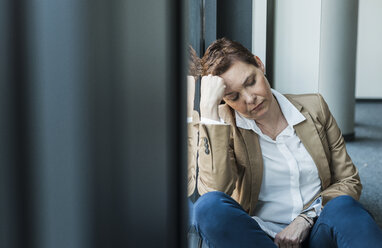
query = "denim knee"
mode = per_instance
[
  {"x": 210, "y": 206},
  {"x": 339, "y": 208},
  {"x": 345, "y": 221},
  {"x": 222, "y": 222},
  {"x": 209, "y": 202},
  {"x": 341, "y": 202}
]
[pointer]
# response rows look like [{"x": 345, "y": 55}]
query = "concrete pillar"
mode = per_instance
[
  {"x": 259, "y": 29},
  {"x": 369, "y": 51},
  {"x": 315, "y": 51}
]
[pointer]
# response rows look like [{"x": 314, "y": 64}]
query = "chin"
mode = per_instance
[
  {"x": 258, "y": 115},
  {"x": 251, "y": 116}
]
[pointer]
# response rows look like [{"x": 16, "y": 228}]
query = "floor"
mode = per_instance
[{"x": 366, "y": 153}]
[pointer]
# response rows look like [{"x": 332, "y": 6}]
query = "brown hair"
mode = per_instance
[
  {"x": 194, "y": 64},
  {"x": 222, "y": 53}
]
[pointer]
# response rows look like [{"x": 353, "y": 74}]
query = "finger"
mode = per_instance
[
  {"x": 283, "y": 244},
  {"x": 298, "y": 243},
  {"x": 291, "y": 244},
  {"x": 190, "y": 79},
  {"x": 276, "y": 243},
  {"x": 295, "y": 243},
  {"x": 205, "y": 78},
  {"x": 219, "y": 79}
]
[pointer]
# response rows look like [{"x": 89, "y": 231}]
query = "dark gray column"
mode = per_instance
[
  {"x": 234, "y": 21},
  {"x": 58, "y": 126},
  {"x": 92, "y": 107},
  {"x": 210, "y": 21},
  {"x": 195, "y": 25},
  {"x": 8, "y": 213}
]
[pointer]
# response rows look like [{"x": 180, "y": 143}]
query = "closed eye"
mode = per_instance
[
  {"x": 250, "y": 80},
  {"x": 251, "y": 83},
  {"x": 234, "y": 97}
]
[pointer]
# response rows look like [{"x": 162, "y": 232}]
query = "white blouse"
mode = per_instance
[{"x": 290, "y": 176}]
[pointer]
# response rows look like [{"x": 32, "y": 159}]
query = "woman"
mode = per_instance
[{"x": 272, "y": 170}]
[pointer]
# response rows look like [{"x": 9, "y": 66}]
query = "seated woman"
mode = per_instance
[{"x": 272, "y": 170}]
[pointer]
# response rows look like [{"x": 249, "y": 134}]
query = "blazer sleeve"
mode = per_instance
[
  {"x": 344, "y": 175},
  {"x": 217, "y": 166},
  {"x": 192, "y": 132}
]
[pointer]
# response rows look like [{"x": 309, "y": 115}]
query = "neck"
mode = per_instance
[{"x": 273, "y": 116}]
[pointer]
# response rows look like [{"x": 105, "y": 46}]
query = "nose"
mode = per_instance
[{"x": 248, "y": 97}]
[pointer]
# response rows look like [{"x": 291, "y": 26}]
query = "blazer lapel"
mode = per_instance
[
  {"x": 252, "y": 145},
  {"x": 251, "y": 152},
  {"x": 308, "y": 135}
]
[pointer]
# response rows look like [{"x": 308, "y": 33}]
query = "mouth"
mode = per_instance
[{"x": 257, "y": 107}]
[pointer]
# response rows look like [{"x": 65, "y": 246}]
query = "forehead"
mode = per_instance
[{"x": 237, "y": 73}]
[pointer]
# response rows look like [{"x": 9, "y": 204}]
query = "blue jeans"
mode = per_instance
[{"x": 222, "y": 222}]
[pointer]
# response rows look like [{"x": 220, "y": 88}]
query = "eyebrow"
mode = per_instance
[{"x": 249, "y": 79}]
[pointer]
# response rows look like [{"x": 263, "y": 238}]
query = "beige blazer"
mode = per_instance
[{"x": 230, "y": 157}]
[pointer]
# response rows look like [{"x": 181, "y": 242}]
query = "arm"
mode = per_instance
[
  {"x": 344, "y": 179},
  {"x": 217, "y": 167},
  {"x": 192, "y": 132},
  {"x": 344, "y": 175}
]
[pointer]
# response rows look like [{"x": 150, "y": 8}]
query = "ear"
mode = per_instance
[{"x": 260, "y": 63}]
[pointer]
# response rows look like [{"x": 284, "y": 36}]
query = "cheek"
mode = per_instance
[
  {"x": 241, "y": 108},
  {"x": 266, "y": 90}
]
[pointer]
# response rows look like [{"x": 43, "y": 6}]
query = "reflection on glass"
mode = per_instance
[{"x": 265, "y": 163}]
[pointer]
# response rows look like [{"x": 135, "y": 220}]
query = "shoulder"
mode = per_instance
[
  {"x": 227, "y": 114},
  {"x": 308, "y": 101},
  {"x": 314, "y": 104}
]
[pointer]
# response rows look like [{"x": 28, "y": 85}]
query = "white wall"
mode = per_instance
[
  {"x": 369, "y": 50},
  {"x": 259, "y": 29},
  {"x": 315, "y": 51},
  {"x": 296, "y": 47}
]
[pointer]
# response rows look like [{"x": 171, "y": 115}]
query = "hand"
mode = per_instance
[
  {"x": 294, "y": 234},
  {"x": 190, "y": 95},
  {"x": 212, "y": 92}
]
